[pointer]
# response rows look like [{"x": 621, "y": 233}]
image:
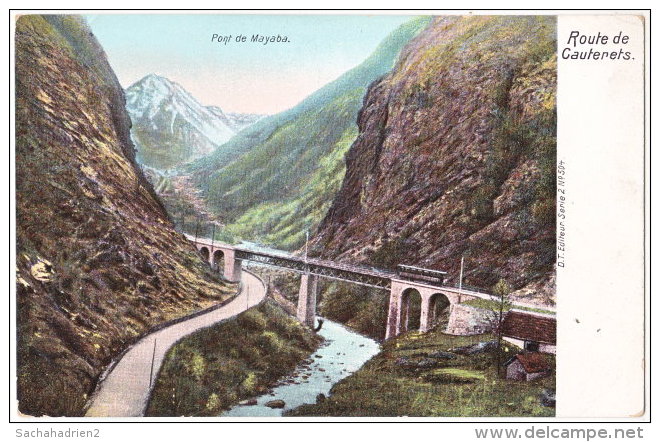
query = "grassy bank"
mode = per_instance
[
  {"x": 208, "y": 371},
  {"x": 403, "y": 380},
  {"x": 495, "y": 306}
]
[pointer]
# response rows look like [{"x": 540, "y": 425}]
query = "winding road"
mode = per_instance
[{"x": 125, "y": 390}]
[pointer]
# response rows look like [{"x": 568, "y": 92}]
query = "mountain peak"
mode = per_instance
[
  {"x": 151, "y": 79},
  {"x": 170, "y": 127}
]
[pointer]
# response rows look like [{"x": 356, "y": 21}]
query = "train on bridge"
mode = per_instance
[{"x": 412, "y": 273}]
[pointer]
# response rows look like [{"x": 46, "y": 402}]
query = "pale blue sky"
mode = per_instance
[{"x": 240, "y": 77}]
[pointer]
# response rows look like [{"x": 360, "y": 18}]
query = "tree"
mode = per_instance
[{"x": 502, "y": 290}]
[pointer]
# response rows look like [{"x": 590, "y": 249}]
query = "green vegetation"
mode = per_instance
[
  {"x": 398, "y": 382},
  {"x": 71, "y": 33},
  {"x": 284, "y": 223},
  {"x": 388, "y": 255},
  {"x": 212, "y": 369},
  {"x": 277, "y": 179},
  {"x": 495, "y": 305},
  {"x": 361, "y": 308}
]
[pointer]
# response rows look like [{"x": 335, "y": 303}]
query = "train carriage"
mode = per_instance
[{"x": 435, "y": 277}]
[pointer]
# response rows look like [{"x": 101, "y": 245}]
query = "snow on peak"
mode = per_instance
[{"x": 157, "y": 98}]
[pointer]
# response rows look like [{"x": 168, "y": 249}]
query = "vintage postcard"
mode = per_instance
[{"x": 317, "y": 215}]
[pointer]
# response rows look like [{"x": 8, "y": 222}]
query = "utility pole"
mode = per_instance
[
  {"x": 153, "y": 357},
  {"x": 502, "y": 290},
  {"x": 183, "y": 221},
  {"x": 196, "y": 229},
  {"x": 213, "y": 235},
  {"x": 215, "y": 264},
  {"x": 460, "y": 278},
  {"x": 306, "y": 242}
]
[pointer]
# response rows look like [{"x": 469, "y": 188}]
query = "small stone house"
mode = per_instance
[
  {"x": 530, "y": 331},
  {"x": 527, "y": 366}
]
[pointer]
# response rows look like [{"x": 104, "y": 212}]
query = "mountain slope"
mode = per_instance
[
  {"x": 274, "y": 180},
  {"x": 98, "y": 262},
  {"x": 455, "y": 157},
  {"x": 170, "y": 127},
  {"x": 236, "y": 121}
]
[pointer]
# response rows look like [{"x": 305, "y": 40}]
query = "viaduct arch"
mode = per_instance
[{"x": 216, "y": 254}]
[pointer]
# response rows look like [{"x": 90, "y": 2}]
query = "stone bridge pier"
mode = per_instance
[
  {"x": 306, "y": 312},
  {"x": 222, "y": 256},
  {"x": 433, "y": 299}
]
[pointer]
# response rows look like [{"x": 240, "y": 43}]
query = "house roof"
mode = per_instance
[
  {"x": 530, "y": 327},
  {"x": 532, "y": 362}
]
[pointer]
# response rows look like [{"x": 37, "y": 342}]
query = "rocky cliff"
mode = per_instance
[
  {"x": 455, "y": 157},
  {"x": 98, "y": 262}
]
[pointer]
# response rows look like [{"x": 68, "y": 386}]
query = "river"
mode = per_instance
[{"x": 342, "y": 353}]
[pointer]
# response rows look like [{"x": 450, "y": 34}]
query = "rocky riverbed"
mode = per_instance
[{"x": 342, "y": 353}]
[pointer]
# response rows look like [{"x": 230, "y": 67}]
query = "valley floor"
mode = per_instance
[
  {"x": 410, "y": 377},
  {"x": 213, "y": 369}
]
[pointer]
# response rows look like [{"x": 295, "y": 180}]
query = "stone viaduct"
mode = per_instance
[{"x": 435, "y": 297}]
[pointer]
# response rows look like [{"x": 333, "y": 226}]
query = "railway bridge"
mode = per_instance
[{"x": 435, "y": 295}]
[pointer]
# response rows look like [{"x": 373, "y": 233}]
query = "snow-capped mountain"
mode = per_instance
[
  {"x": 235, "y": 120},
  {"x": 170, "y": 127}
]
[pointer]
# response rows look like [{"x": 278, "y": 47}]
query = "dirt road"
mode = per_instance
[{"x": 126, "y": 389}]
